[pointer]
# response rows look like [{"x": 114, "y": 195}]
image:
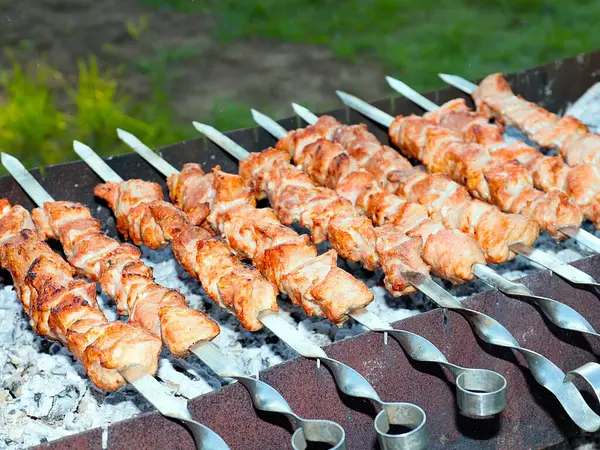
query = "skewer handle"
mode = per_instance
[
  {"x": 266, "y": 398},
  {"x": 543, "y": 370}
]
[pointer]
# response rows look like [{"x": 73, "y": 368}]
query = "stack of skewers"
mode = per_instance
[{"x": 483, "y": 201}]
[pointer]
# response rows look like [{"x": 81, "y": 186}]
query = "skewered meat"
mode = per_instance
[
  {"x": 282, "y": 256},
  {"x": 445, "y": 200},
  {"x": 295, "y": 197},
  {"x": 64, "y": 309},
  {"x": 576, "y": 144},
  {"x": 450, "y": 253},
  {"x": 236, "y": 287},
  {"x": 581, "y": 182},
  {"x": 124, "y": 277},
  {"x": 508, "y": 185}
]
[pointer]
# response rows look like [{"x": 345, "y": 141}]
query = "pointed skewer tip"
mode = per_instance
[
  {"x": 77, "y": 144},
  {"x": 257, "y": 115},
  {"x": 121, "y": 132},
  {"x": 201, "y": 127},
  {"x": 7, "y": 157}
]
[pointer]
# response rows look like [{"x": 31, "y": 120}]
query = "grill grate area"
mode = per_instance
[{"x": 532, "y": 417}]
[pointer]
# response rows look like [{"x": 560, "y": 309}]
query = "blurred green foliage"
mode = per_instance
[
  {"x": 416, "y": 39},
  {"x": 41, "y": 113}
]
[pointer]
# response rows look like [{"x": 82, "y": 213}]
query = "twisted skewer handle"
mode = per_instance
[
  {"x": 543, "y": 370},
  {"x": 479, "y": 392},
  {"x": 353, "y": 384},
  {"x": 266, "y": 398}
]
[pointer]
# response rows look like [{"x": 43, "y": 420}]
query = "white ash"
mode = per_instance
[{"x": 44, "y": 394}]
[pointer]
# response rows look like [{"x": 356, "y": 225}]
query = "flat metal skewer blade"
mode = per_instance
[
  {"x": 305, "y": 114},
  {"x": 411, "y": 94},
  {"x": 370, "y": 320},
  {"x": 156, "y": 393},
  {"x": 234, "y": 149},
  {"x": 363, "y": 107},
  {"x": 458, "y": 82},
  {"x": 171, "y": 406},
  {"x": 220, "y": 363},
  {"x": 432, "y": 290},
  {"x": 585, "y": 238},
  {"x": 26, "y": 180},
  {"x": 557, "y": 266},
  {"x": 146, "y": 152},
  {"x": 291, "y": 336},
  {"x": 97, "y": 164},
  {"x": 268, "y": 124}
]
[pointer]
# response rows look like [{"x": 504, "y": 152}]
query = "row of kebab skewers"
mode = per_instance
[{"x": 480, "y": 200}]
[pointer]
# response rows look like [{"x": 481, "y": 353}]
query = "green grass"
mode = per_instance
[
  {"x": 39, "y": 129},
  {"x": 416, "y": 39},
  {"x": 41, "y": 112}
]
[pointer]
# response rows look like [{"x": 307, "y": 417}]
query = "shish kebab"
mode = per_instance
[
  {"x": 550, "y": 174},
  {"x": 491, "y": 386},
  {"x": 348, "y": 380},
  {"x": 580, "y": 181},
  {"x": 263, "y": 396},
  {"x": 485, "y": 327},
  {"x": 64, "y": 309},
  {"x": 398, "y": 134},
  {"x": 369, "y": 164},
  {"x": 573, "y": 139}
]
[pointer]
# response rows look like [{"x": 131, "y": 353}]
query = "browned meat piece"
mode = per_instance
[
  {"x": 234, "y": 286},
  {"x": 66, "y": 310},
  {"x": 507, "y": 184},
  {"x": 581, "y": 183},
  {"x": 123, "y": 277},
  {"x": 577, "y": 145},
  {"x": 192, "y": 192},
  {"x": 438, "y": 196},
  {"x": 329, "y": 216},
  {"x": 282, "y": 256},
  {"x": 384, "y": 207}
]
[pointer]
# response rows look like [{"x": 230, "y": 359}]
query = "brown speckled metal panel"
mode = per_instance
[
  {"x": 532, "y": 418},
  {"x": 88, "y": 440}
]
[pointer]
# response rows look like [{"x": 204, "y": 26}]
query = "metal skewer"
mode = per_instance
[
  {"x": 347, "y": 379},
  {"x": 154, "y": 392},
  {"x": 558, "y": 313},
  {"x": 264, "y": 397},
  {"x": 480, "y": 392},
  {"x": 582, "y": 236},
  {"x": 489, "y": 330},
  {"x": 552, "y": 263}
]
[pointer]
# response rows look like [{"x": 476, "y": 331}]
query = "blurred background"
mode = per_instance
[{"x": 77, "y": 69}]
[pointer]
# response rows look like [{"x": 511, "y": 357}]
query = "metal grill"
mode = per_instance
[{"x": 532, "y": 418}]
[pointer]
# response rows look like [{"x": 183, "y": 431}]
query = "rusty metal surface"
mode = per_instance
[{"x": 532, "y": 418}]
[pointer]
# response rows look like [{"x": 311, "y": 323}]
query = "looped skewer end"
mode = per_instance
[
  {"x": 405, "y": 414},
  {"x": 590, "y": 373},
  {"x": 266, "y": 398},
  {"x": 479, "y": 392}
]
